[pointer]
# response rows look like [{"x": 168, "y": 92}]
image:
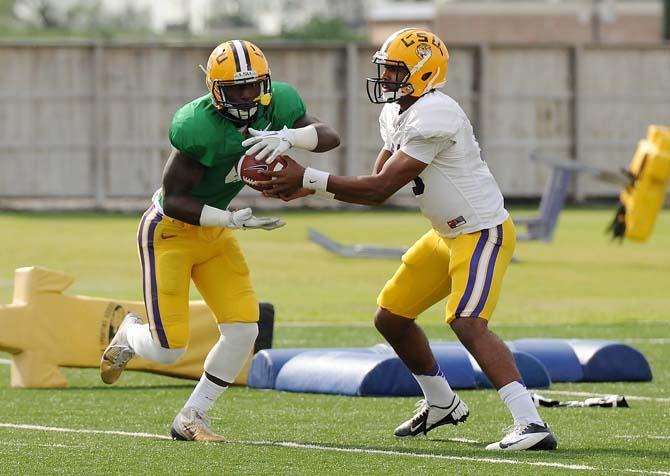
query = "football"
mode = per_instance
[{"x": 250, "y": 170}]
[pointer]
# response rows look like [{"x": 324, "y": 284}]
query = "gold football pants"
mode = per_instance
[
  {"x": 172, "y": 253},
  {"x": 468, "y": 268}
]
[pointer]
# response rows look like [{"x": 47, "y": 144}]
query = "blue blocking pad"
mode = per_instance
[
  {"x": 604, "y": 361},
  {"x": 533, "y": 373},
  {"x": 347, "y": 373},
  {"x": 370, "y": 374},
  {"x": 378, "y": 370},
  {"x": 557, "y": 356},
  {"x": 454, "y": 361},
  {"x": 266, "y": 364}
]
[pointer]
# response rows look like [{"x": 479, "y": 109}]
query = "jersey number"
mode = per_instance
[{"x": 418, "y": 187}]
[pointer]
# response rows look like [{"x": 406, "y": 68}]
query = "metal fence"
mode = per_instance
[{"x": 84, "y": 125}]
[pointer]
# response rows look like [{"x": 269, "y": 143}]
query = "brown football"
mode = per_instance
[{"x": 250, "y": 170}]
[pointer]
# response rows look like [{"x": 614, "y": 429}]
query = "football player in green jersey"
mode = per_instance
[{"x": 186, "y": 233}]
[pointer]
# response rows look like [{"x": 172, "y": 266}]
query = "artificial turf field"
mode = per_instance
[{"x": 581, "y": 285}]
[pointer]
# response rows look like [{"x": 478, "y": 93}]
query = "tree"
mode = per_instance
[
  {"x": 82, "y": 16},
  {"x": 6, "y": 8},
  {"x": 41, "y": 13}
]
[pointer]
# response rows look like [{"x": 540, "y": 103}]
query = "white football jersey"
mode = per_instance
[{"x": 457, "y": 191}]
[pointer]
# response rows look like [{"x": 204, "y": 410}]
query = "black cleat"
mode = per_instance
[{"x": 429, "y": 417}]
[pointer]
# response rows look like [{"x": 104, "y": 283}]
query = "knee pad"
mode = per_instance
[
  {"x": 140, "y": 340},
  {"x": 229, "y": 354},
  {"x": 167, "y": 356}
]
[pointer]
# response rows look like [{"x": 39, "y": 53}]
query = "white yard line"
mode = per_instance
[
  {"x": 589, "y": 394},
  {"x": 338, "y": 449},
  {"x": 5, "y": 361},
  {"x": 464, "y": 440},
  {"x": 81, "y": 430}
]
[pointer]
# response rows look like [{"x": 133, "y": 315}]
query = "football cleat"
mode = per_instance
[
  {"x": 527, "y": 437},
  {"x": 429, "y": 417},
  {"x": 118, "y": 353},
  {"x": 192, "y": 424}
]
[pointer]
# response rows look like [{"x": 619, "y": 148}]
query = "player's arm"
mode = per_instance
[
  {"x": 307, "y": 133},
  {"x": 326, "y": 137},
  {"x": 382, "y": 157},
  {"x": 180, "y": 176},
  {"x": 398, "y": 170}
]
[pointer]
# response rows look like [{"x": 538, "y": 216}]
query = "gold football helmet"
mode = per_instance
[
  {"x": 235, "y": 63},
  {"x": 422, "y": 55}
]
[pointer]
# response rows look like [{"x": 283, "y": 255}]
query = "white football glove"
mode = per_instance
[
  {"x": 274, "y": 143},
  {"x": 243, "y": 219}
]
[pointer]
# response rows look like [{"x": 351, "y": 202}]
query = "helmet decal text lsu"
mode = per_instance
[
  {"x": 231, "y": 65},
  {"x": 420, "y": 54}
]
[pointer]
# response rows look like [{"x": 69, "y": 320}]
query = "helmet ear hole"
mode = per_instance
[{"x": 425, "y": 76}]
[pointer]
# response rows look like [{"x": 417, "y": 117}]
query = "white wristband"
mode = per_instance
[
  {"x": 325, "y": 195},
  {"x": 211, "y": 216},
  {"x": 314, "y": 179},
  {"x": 305, "y": 138}
]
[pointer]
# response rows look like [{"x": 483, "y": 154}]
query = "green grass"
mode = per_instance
[{"x": 581, "y": 285}]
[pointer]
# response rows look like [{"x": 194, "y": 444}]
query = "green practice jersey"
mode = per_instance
[{"x": 203, "y": 134}]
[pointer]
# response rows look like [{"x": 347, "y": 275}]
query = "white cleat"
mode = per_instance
[
  {"x": 118, "y": 353},
  {"x": 527, "y": 437},
  {"x": 429, "y": 417},
  {"x": 191, "y": 424}
]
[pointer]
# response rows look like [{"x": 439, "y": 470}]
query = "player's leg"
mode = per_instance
[
  {"x": 166, "y": 267},
  {"x": 420, "y": 281},
  {"x": 225, "y": 285},
  {"x": 479, "y": 262}
]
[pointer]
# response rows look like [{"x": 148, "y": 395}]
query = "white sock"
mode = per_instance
[
  {"x": 518, "y": 400},
  {"x": 224, "y": 361},
  {"x": 205, "y": 394},
  {"x": 435, "y": 388},
  {"x": 140, "y": 340}
]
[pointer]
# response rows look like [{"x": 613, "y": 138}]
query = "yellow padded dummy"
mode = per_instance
[
  {"x": 45, "y": 329},
  {"x": 642, "y": 200}
]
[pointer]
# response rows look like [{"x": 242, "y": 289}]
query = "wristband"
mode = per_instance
[
  {"x": 211, "y": 216},
  {"x": 305, "y": 138},
  {"x": 314, "y": 179}
]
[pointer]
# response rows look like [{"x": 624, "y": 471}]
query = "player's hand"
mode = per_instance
[
  {"x": 303, "y": 192},
  {"x": 245, "y": 220},
  {"x": 285, "y": 182},
  {"x": 270, "y": 144}
]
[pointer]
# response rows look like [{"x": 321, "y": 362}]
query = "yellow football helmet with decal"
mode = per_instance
[
  {"x": 235, "y": 63},
  {"x": 424, "y": 58}
]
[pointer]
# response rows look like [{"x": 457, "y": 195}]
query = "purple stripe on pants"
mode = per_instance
[
  {"x": 472, "y": 274},
  {"x": 154, "y": 288},
  {"x": 489, "y": 273}
]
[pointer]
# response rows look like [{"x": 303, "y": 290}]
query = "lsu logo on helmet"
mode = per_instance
[
  {"x": 233, "y": 63},
  {"x": 423, "y": 57}
]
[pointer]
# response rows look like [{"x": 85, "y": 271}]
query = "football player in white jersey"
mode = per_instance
[{"x": 428, "y": 140}]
